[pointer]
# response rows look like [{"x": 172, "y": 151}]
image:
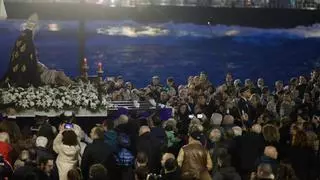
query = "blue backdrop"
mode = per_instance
[{"x": 139, "y": 51}]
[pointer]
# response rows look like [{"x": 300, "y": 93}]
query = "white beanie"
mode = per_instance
[
  {"x": 41, "y": 141},
  {"x": 216, "y": 119}
]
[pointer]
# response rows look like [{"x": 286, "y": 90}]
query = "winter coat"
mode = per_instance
[
  {"x": 226, "y": 173},
  {"x": 95, "y": 153},
  {"x": 68, "y": 156},
  {"x": 5, "y": 150}
]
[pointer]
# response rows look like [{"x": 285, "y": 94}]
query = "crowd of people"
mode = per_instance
[{"x": 228, "y": 132}]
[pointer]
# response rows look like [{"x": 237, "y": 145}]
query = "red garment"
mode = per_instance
[{"x": 5, "y": 150}]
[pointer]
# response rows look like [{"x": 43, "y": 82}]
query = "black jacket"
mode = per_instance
[
  {"x": 226, "y": 173},
  {"x": 304, "y": 162},
  {"x": 249, "y": 148},
  {"x": 176, "y": 175},
  {"x": 146, "y": 143},
  {"x": 94, "y": 153}
]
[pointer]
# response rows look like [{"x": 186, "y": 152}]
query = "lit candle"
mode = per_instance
[
  {"x": 99, "y": 66},
  {"x": 85, "y": 61}
]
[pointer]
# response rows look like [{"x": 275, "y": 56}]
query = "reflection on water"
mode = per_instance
[{"x": 139, "y": 51}]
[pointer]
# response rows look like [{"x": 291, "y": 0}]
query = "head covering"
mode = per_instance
[
  {"x": 41, "y": 141},
  {"x": 216, "y": 119},
  {"x": 32, "y": 22},
  {"x": 197, "y": 135},
  {"x": 155, "y": 77}
]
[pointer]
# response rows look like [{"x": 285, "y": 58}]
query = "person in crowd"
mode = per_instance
[
  {"x": 6, "y": 170},
  {"x": 249, "y": 148},
  {"x": 141, "y": 160},
  {"x": 244, "y": 106},
  {"x": 141, "y": 173},
  {"x": 74, "y": 174},
  {"x": 23, "y": 158},
  {"x": 5, "y": 147},
  {"x": 173, "y": 142},
  {"x": 110, "y": 135},
  {"x": 98, "y": 172},
  {"x": 41, "y": 148},
  {"x": 30, "y": 168},
  {"x": 270, "y": 157},
  {"x": 66, "y": 145},
  {"x": 145, "y": 144},
  {"x": 264, "y": 172},
  {"x": 225, "y": 169},
  {"x": 46, "y": 165},
  {"x": 123, "y": 158},
  {"x": 271, "y": 136},
  {"x": 170, "y": 169},
  {"x": 96, "y": 152},
  {"x": 302, "y": 157},
  {"x": 194, "y": 157}
]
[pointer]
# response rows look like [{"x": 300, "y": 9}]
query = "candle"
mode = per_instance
[
  {"x": 99, "y": 66},
  {"x": 85, "y": 61}
]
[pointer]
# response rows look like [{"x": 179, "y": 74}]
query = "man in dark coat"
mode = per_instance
[
  {"x": 22, "y": 70},
  {"x": 171, "y": 170},
  {"x": 146, "y": 144},
  {"x": 225, "y": 170},
  {"x": 249, "y": 148},
  {"x": 96, "y": 153}
]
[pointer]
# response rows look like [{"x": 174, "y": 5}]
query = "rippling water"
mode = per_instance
[{"x": 139, "y": 51}]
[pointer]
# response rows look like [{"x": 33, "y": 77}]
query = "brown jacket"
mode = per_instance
[{"x": 194, "y": 158}]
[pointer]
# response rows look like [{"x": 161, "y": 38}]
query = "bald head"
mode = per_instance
[
  {"x": 143, "y": 130},
  {"x": 256, "y": 128},
  {"x": 271, "y": 151}
]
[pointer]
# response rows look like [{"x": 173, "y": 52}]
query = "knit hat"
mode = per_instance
[
  {"x": 196, "y": 135},
  {"x": 41, "y": 141}
]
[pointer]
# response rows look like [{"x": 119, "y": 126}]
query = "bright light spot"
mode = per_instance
[
  {"x": 53, "y": 27},
  {"x": 100, "y": 2}
]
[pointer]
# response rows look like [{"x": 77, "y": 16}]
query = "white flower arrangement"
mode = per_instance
[{"x": 58, "y": 98}]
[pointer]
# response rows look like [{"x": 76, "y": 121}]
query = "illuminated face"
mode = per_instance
[
  {"x": 229, "y": 78},
  {"x": 260, "y": 82},
  {"x": 48, "y": 167},
  {"x": 155, "y": 81}
]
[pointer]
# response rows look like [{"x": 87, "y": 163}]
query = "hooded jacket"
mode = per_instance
[{"x": 68, "y": 156}]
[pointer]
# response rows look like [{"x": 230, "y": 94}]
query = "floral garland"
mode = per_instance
[{"x": 46, "y": 98}]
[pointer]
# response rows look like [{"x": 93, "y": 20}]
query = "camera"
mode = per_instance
[
  {"x": 68, "y": 125},
  {"x": 200, "y": 116},
  {"x": 191, "y": 116}
]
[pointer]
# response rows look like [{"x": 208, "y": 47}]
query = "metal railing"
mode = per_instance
[{"x": 296, "y": 4}]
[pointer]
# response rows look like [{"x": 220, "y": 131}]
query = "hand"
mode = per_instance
[{"x": 61, "y": 127}]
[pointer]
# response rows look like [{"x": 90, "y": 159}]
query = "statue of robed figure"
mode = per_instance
[{"x": 24, "y": 68}]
